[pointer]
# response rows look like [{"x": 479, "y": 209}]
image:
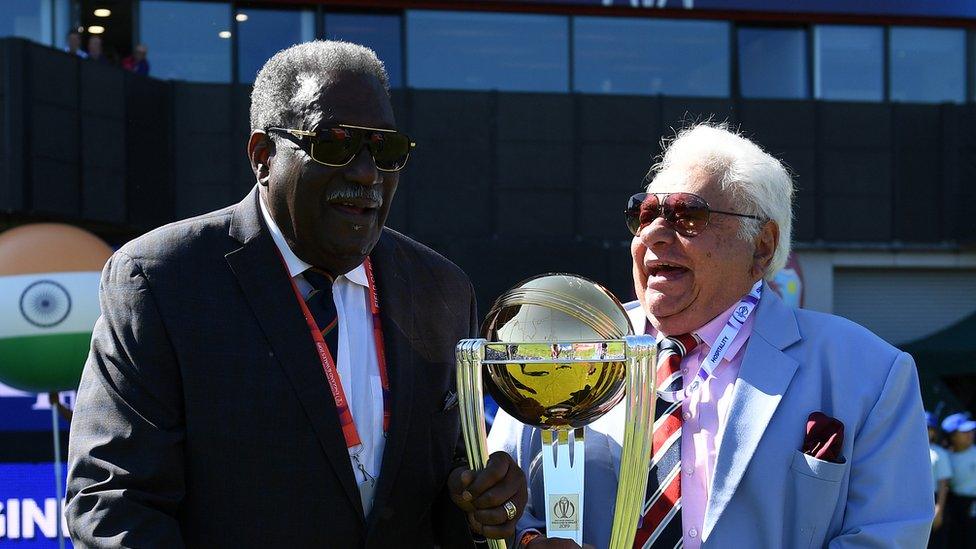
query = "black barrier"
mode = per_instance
[{"x": 505, "y": 184}]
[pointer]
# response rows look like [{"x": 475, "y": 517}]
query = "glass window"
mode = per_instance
[
  {"x": 186, "y": 40},
  {"x": 487, "y": 51},
  {"x": 22, "y": 18},
  {"x": 379, "y": 32},
  {"x": 773, "y": 63},
  {"x": 927, "y": 65},
  {"x": 848, "y": 63},
  {"x": 35, "y": 20},
  {"x": 62, "y": 11},
  {"x": 650, "y": 56},
  {"x": 262, "y": 33}
]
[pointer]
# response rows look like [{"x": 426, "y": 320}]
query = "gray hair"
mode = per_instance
[
  {"x": 759, "y": 183},
  {"x": 288, "y": 80}
]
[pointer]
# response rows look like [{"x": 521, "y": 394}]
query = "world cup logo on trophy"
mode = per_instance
[{"x": 558, "y": 352}]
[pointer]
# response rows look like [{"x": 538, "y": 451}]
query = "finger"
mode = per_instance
[
  {"x": 495, "y": 522},
  {"x": 495, "y": 516},
  {"x": 474, "y": 525},
  {"x": 495, "y": 471},
  {"x": 511, "y": 488},
  {"x": 496, "y": 497},
  {"x": 457, "y": 484},
  {"x": 459, "y": 480}
]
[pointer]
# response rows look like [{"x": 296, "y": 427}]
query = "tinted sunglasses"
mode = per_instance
[
  {"x": 338, "y": 145},
  {"x": 686, "y": 213}
]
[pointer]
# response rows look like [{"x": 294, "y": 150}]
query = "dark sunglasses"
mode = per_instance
[
  {"x": 686, "y": 213},
  {"x": 336, "y": 146}
]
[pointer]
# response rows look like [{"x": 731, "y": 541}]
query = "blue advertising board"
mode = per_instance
[
  {"x": 20, "y": 411},
  {"x": 28, "y": 506}
]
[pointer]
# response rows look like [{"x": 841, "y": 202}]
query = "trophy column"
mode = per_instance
[
  {"x": 635, "y": 456},
  {"x": 563, "y": 453},
  {"x": 470, "y": 353}
]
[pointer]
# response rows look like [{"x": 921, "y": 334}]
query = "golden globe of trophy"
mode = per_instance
[{"x": 558, "y": 352}]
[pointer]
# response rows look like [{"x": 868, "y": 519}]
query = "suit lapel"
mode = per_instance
[
  {"x": 396, "y": 315},
  {"x": 763, "y": 379},
  {"x": 267, "y": 289}
]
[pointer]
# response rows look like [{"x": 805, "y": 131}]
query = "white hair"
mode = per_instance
[
  {"x": 759, "y": 183},
  {"x": 292, "y": 77}
]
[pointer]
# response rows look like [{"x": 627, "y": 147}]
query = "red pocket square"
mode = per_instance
[{"x": 825, "y": 437}]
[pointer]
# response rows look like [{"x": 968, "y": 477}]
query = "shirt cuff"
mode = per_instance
[{"x": 526, "y": 536}]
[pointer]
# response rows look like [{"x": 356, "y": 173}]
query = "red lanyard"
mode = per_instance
[{"x": 349, "y": 431}]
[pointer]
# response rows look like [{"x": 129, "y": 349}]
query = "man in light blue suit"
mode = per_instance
[{"x": 788, "y": 428}]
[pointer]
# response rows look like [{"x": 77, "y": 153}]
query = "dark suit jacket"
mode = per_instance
[{"x": 204, "y": 417}]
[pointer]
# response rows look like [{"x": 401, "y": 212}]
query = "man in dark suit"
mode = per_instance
[{"x": 221, "y": 405}]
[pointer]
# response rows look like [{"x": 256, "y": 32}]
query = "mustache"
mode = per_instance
[{"x": 356, "y": 192}]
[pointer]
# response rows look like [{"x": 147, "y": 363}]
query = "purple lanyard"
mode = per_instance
[{"x": 732, "y": 326}]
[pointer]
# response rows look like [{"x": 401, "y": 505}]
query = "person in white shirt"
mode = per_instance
[
  {"x": 941, "y": 474},
  {"x": 961, "y": 504}
]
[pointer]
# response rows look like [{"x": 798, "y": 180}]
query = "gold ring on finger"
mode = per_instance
[{"x": 510, "y": 510}]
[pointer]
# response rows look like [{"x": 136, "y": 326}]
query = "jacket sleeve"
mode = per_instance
[
  {"x": 451, "y": 528},
  {"x": 889, "y": 500},
  {"x": 460, "y": 452},
  {"x": 125, "y": 455}
]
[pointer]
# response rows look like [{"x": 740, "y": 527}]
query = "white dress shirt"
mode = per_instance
[
  {"x": 357, "y": 364},
  {"x": 941, "y": 466},
  {"x": 963, "y": 481}
]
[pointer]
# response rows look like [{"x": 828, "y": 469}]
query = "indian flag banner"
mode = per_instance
[{"x": 49, "y": 277}]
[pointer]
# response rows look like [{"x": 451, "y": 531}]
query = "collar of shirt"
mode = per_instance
[
  {"x": 294, "y": 263},
  {"x": 713, "y": 328},
  {"x": 710, "y": 332}
]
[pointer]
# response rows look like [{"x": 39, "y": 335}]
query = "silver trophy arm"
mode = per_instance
[{"x": 469, "y": 354}]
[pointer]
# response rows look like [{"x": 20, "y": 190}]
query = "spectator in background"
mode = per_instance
[
  {"x": 941, "y": 473},
  {"x": 95, "y": 52},
  {"x": 74, "y": 45},
  {"x": 137, "y": 62},
  {"x": 961, "y": 504}
]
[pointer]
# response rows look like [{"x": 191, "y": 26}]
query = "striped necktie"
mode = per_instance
[
  {"x": 322, "y": 306},
  {"x": 661, "y": 517}
]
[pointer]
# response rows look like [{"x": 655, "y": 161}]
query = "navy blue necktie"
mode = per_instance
[{"x": 323, "y": 309}]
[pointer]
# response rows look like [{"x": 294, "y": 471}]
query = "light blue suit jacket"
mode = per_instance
[{"x": 766, "y": 492}]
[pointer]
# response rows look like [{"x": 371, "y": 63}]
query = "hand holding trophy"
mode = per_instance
[{"x": 558, "y": 353}]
